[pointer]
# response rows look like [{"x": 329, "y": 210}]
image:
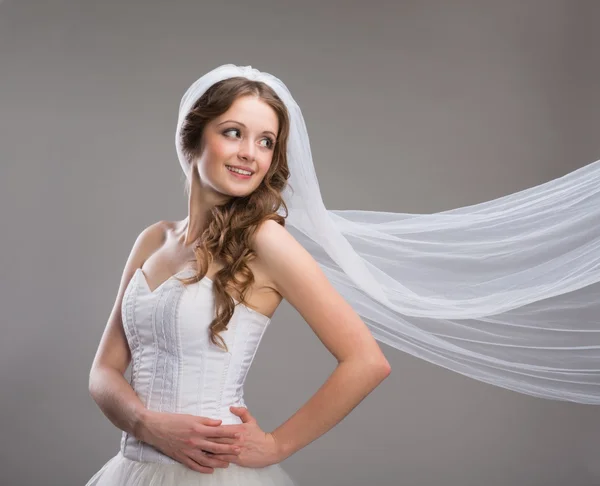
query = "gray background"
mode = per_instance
[{"x": 412, "y": 106}]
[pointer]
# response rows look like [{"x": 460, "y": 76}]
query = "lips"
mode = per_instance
[
  {"x": 237, "y": 175},
  {"x": 241, "y": 167}
]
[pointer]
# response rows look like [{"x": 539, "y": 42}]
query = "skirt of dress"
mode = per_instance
[{"x": 121, "y": 471}]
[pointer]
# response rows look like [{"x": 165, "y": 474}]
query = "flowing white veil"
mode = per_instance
[{"x": 505, "y": 291}]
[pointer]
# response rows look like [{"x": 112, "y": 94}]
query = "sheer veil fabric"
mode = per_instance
[{"x": 506, "y": 292}]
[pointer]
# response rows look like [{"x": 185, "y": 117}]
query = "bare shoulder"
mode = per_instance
[
  {"x": 152, "y": 237},
  {"x": 268, "y": 239},
  {"x": 146, "y": 243},
  {"x": 285, "y": 261},
  {"x": 299, "y": 279}
]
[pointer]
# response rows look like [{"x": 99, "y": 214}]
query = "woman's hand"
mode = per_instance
[
  {"x": 258, "y": 448},
  {"x": 191, "y": 440}
]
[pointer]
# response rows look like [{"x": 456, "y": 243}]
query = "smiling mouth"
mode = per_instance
[{"x": 235, "y": 170}]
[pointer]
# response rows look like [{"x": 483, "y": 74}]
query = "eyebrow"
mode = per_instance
[{"x": 240, "y": 123}]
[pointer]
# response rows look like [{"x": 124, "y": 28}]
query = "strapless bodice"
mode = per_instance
[{"x": 174, "y": 366}]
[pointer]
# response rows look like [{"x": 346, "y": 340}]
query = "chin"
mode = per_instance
[{"x": 238, "y": 192}]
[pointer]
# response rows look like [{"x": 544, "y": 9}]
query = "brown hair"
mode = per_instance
[{"x": 232, "y": 224}]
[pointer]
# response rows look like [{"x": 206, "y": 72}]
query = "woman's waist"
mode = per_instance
[
  {"x": 216, "y": 412},
  {"x": 213, "y": 403}
]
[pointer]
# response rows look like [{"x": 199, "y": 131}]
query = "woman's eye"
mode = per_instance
[
  {"x": 230, "y": 130},
  {"x": 267, "y": 139},
  {"x": 270, "y": 144}
]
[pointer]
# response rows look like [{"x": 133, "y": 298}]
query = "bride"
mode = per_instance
[{"x": 197, "y": 295}]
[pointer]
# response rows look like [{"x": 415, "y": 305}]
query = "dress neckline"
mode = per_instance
[
  {"x": 205, "y": 279},
  {"x": 172, "y": 277}
]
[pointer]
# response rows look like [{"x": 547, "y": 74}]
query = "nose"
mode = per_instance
[{"x": 246, "y": 151}]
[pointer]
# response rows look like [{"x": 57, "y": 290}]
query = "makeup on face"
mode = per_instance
[{"x": 234, "y": 172}]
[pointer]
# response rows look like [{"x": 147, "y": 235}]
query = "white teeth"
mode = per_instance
[{"x": 240, "y": 171}]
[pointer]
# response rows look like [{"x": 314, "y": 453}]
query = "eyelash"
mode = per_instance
[{"x": 271, "y": 141}]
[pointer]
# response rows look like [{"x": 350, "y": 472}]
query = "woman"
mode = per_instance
[{"x": 197, "y": 295}]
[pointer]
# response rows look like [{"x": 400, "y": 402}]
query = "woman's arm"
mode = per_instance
[
  {"x": 107, "y": 385},
  {"x": 346, "y": 387},
  {"x": 361, "y": 364},
  {"x": 117, "y": 400}
]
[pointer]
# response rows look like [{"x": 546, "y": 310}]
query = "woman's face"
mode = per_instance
[{"x": 243, "y": 136}]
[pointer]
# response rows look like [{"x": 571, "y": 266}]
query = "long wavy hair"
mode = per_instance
[{"x": 232, "y": 224}]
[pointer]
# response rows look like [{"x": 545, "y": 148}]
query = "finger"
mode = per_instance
[
  {"x": 228, "y": 457},
  {"x": 243, "y": 413},
  {"x": 193, "y": 465},
  {"x": 208, "y": 460},
  {"x": 219, "y": 448},
  {"x": 222, "y": 440},
  {"x": 209, "y": 421},
  {"x": 231, "y": 431}
]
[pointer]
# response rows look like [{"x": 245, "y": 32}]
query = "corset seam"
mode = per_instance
[
  {"x": 166, "y": 357},
  {"x": 164, "y": 325},
  {"x": 176, "y": 362},
  {"x": 155, "y": 360},
  {"x": 225, "y": 374},
  {"x": 131, "y": 299},
  {"x": 128, "y": 335},
  {"x": 136, "y": 358},
  {"x": 243, "y": 352},
  {"x": 202, "y": 377},
  {"x": 201, "y": 385}
]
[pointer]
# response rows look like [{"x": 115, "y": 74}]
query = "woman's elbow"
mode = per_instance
[
  {"x": 378, "y": 366},
  {"x": 384, "y": 368}
]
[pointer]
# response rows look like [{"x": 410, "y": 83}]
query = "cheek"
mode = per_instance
[
  {"x": 221, "y": 149},
  {"x": 216, "y": 154},
  {"x": 265, "y": 165}
]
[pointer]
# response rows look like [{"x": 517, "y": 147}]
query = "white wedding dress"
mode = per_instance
[{"x": 175, "y": 368}]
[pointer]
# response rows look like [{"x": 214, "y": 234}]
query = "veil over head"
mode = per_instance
[{"x": 506, "y": 291}]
